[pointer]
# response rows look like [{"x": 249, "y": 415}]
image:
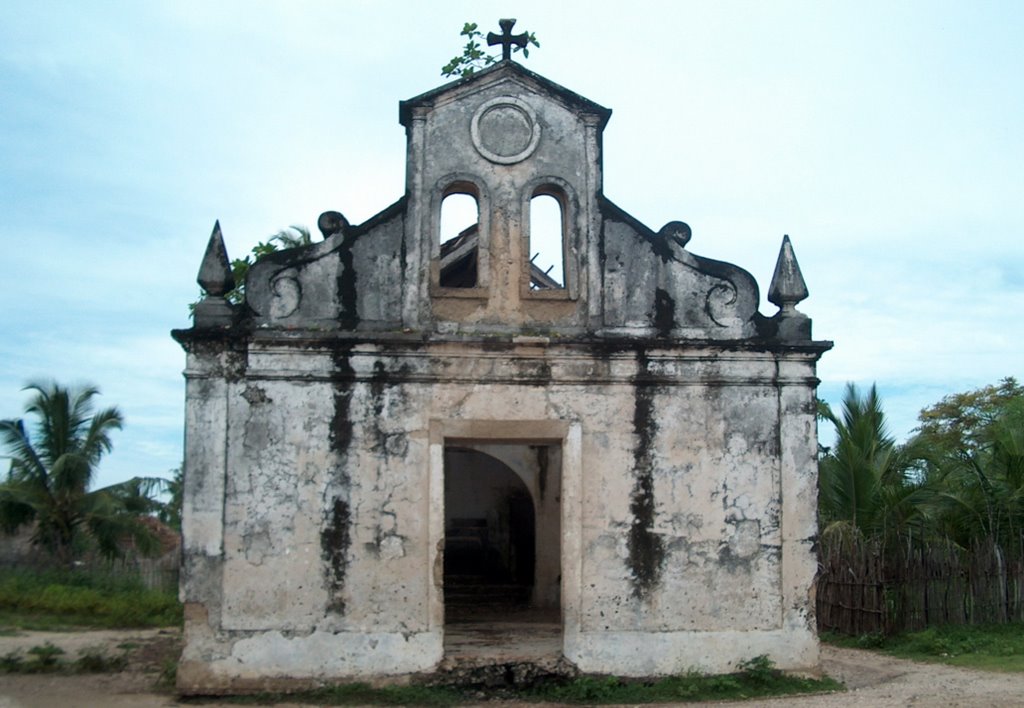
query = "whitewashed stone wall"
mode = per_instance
[
  {"x": 675, "y": 533},
  {"x": 317, "y": 417}
]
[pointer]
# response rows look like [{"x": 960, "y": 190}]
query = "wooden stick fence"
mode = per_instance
[{"x": 860, "y": 590}]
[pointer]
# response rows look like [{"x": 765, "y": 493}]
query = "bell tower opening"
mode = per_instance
[
  {"x": 546, "y": 242},
  {"x": 459, "y": 234}
]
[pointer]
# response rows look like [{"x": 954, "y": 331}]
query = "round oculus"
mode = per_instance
[{"x": 505, "y": 130}]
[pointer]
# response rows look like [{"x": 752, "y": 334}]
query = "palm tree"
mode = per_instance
[
  {"x": 865, "y": 489},
  {"x": 52, "y": 469},
  {"x": 170, "y": 513}
]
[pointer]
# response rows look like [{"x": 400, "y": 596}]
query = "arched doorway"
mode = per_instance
[
  {"x": 501, "y": 550},
  {"x": 490, "y": 533}
]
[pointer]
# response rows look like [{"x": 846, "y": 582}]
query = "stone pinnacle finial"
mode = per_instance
[
  {"x": 216, "y": 281},
  {"x": 506, "y": 39},
  {"x": 788, "y": 287},
  {"x": 215, "y": 272}
]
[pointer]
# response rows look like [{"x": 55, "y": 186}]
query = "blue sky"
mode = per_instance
[{"x": 884, "y": 137}]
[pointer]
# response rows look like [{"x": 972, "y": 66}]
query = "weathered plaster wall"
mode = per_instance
[
  {"x": 679, "y": 418},
  {"x": 653, "y": 286},
  {"x": 328, "y": 514},
  {"x": 350, "y": 279}
]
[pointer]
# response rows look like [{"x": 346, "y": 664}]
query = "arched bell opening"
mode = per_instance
[
  {"x": 546, "y": 239},
  {"x": 459, "y": 236}
]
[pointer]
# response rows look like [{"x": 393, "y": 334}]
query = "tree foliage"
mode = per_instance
[
  {"x": 170, "y": 513},
  {"x": 292, "y": 237},
  {"x": 474, "y": 56},
  {"x": 976, "y": 439},
  {"x": 52, "y": 468},
  {"x": 959, "y": 480},
  {"x": 962, "y": 422},
  {"x": 865, "y": 483}
]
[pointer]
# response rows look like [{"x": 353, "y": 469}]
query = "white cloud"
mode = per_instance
[{"x": 883, "y": 138}]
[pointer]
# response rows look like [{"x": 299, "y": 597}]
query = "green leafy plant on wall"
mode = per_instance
[{"x": 474, "y": 56}]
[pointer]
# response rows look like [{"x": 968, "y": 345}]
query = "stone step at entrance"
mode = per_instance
[
  {"x": 513, "y": 650},
  {"x": 499, "y": 672}
]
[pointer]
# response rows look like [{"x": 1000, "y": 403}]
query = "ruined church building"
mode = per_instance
[{"x": 400, "y": 438}]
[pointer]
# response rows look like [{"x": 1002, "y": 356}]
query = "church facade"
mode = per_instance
[{"x": 398, "y": 422}]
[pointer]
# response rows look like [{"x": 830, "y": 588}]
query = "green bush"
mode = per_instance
[
  {"x": 588, "y": 689},
  {"x": 44, "y": 657},
  {"x": 11, "y": 662},
  {"x": 760, "y": 670},
  {"x": 873, "y": 640},
  {"x": 97, "y": 661},
  {"x": 85, "y": 598}
]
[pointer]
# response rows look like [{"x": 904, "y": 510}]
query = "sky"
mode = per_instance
[{"x": 885, "y": 138}]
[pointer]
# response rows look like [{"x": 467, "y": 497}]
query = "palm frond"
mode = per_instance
[
  {"x": 113, "y": 528},
  {"x": 138, "y": 495},
  {"x": 17, "y": 505},
  {"x": 97, "y": 441},
  {"x": 70, "y": 474},
  {"x": 24, "y": 455}
]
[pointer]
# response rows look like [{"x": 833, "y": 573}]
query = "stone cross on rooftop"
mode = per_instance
[{"x": 506, "y": 39}]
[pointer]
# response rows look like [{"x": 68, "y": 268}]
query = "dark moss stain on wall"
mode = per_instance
[
  {"x": 535, "y": 373},
  {"x": 236, "y": 364},
  {"x": 378, "y": 384},
  {"x": 335, "y": 537},
  {"x": 341, "y": 421},
  {"x": 348, "y": 297},
  {"x": 664, "y": 312},
  {"x": 334, "y": 543},
  {"x": 646, "y": 548},
  {"x": 388, "y": 400}
]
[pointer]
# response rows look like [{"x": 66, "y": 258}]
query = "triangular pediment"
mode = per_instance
[{"x": 509, "y": 72}]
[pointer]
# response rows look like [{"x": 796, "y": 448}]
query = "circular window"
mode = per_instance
[{"x": 505, "y": 130}]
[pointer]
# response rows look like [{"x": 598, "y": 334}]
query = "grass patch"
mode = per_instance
[
  {"x": 758, "y": 679},
  {"x": 991, "y": 647},
  {"x": 46, "y": 658},
  {"x": 96, "y": 661},
  {"x": 57, "y": 600},
  {"x": 361, "y": 694},
  {"x": 168, "y": 675}
]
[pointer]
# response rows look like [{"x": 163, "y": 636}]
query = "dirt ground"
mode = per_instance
[{"x": 872, "y": 679}]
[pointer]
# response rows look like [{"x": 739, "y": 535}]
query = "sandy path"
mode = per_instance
[
  {"x": 881, "y": 681},
  {"x": 872, "y": 679}
]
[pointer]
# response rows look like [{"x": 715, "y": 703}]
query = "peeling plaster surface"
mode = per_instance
[
  {"x": 715, "y": 489},
  {"x": 664, "y": 428}
]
